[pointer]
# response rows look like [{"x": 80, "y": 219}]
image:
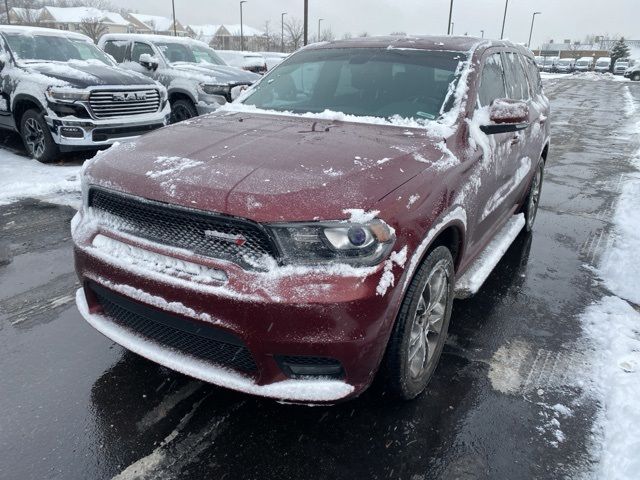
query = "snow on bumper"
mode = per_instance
[{"x": 293, "y": 390}]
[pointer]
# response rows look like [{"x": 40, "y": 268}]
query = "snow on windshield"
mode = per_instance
[{"x": 53, "y": 48}]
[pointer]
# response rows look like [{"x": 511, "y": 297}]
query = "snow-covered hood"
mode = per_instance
[
  {"x": 86, "y": 74},
  {"x": 222, "y": 74},
  {"x": 268, "y": 167}
]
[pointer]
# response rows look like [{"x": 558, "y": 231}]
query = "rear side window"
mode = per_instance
[
  {"x": 139, "y": 49},
  {"x": 117, "y": 49},
  {"x": 517, "y": 86},
  {"x": 533, "y": 74},
  {"x": 492, "y": 80}
]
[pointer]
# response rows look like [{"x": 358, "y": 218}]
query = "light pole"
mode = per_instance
[
  {"x": 504, "y": 19},
  {"x": 305, "y": 38},
  {"x": 6, "y": 6},
  {"x": 319, "y": 22},
  {"x": 241, "y": 27},
  {"x": 452, "y": 24},
  {"x": 450, "y": 13},
  {"x": 533, "y": 18},
  {"x": 482, "y": 32},
  {"x": 173, "y": 8},
  {"x": 282, "y": 29}
]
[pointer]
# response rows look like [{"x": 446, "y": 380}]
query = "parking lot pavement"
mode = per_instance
[{"x": 507, "y": 400}]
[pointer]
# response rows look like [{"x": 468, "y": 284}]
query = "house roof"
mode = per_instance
[
  {"x": 234, "y": 30},
  {"x": 211, "y": 30},
  {"x": 155, "y": 22},
  {"x": 77, "y": 14}
]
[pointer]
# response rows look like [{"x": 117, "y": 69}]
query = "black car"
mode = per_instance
[{"x": 62, "y": 93}]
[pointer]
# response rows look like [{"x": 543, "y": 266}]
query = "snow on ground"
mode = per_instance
[
  {"x": 584, "y": 76},
  {"x": 23, "y": 177}
]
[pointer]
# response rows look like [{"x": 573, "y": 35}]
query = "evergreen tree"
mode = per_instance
[{"x": 619, "y": 50}]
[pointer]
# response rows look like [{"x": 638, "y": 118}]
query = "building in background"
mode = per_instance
[
  {"x": 227, "y": 37},
  {"x": 141, "y": 23},
  {"x": 70, "y": 18}
]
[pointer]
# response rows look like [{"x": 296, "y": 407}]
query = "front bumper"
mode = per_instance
[
  {"x": 299, "y": 314},
  {"x": 77, "y": 133}
]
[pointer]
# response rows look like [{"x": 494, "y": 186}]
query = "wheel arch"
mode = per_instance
[
  {"x": 22, "y": 103},
  {"x": 180, "y": 94}
]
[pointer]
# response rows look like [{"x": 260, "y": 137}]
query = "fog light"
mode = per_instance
[
  {"x": 302, "y": 366},
  {"x": 71, "y": 132}
]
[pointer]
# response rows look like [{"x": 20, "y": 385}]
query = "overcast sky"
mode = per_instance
[{"x": 560, "y": 19}]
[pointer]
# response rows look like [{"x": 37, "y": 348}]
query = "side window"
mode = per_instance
[
  {"x": 534, "y": 75},
  {"x": 117, "y": 49},
  {"x": 517, "y": 86},
  {"x": 492, "y": 80},
  {"x": 139, "y": 49}
]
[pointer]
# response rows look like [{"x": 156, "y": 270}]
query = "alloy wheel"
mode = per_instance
[
  {"x": 34, "y": 137},
  {"x": 428, "y": 321},
  {"x": 534, "y": 196},
  {"x": 180, "y": 113}
]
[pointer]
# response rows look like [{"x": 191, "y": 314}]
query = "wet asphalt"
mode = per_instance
[{"x": 77, "y": 406}]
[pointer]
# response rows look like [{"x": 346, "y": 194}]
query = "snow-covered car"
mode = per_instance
[
  {"x": 197, "y": 79},
  {"x": 317, "y": 229},
  {"x": 62, "y": 93},
  {"x": 251, "y": 61},
  {"x": 273, "y": 58},
  {"x": 584, "y": 64},
  {"x": 565, "y": 65},
  {"x": 603, "y": 65},
  {"x": 633, "y": 72},
  {"x": 549, "y": 64},
  {"x": 621, "y": 66}
]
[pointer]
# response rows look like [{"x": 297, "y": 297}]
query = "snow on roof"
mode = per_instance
[
  {"x": 205, "y": 30},
  {"x": 149, "y": 37},
  {"x": 154, "y": 22},
  {"x": 77, "y": 14},
  {"x": 26, "y": 12},
  {"x": 27, "y": 30},
  {"x": 234, "y": 30}
]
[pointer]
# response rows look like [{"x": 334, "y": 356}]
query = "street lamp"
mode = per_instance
[
  {"x": 173, "y": 7},
  {"x": 282, "y": 29},
  {"x": 504, "y": 19},
  {"x": 241, "y": 27},
  {"x": 450, "y": 13},
  {"x": 319, "y": 22},
  {"x": 482, "y": 32},
  {"x": 6, "y": 7},
  {"x": 533, "y": 17}
]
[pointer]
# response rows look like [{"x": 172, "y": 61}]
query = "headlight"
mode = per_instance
[
  {"x": 215, "y": 89},
  {"x": 345, "y": 242},
  {"x": 68, "y": 95}
]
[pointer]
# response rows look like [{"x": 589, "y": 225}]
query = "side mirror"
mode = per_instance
[
  {"x": 506, "y": 115},
  {"x": 148, "y": 62},
  {"x": 237, "y": 90}
]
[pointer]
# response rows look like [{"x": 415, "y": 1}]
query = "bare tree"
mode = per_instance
[
  {"x": 326, "y": 35},
  {"x": 398, "y": 34},
  {"x": 93, "y": 28},
  {"x": 346, "y": 36},
  {"x": 294, "y": 31},
  {"x": 364, "y": 34}
]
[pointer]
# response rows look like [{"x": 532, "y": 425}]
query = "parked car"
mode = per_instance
[
  {"x": 197, "y": 79},
  {"x": 61, "y": 93},
  {"x": 633, "y": 72},
  {"x": 549, "y": 64},
  {"x": 292, "y": 250},
  {"x": 584, "y": 64},
  {"x": 621, "y": 66},
  {"x": 539, "y": 62},
  {"x": 273, "y": 58},
  {"x": 251, "y": 61},
  {"x": 603, "y": 65},
  {"x": 565, "y": 65}
]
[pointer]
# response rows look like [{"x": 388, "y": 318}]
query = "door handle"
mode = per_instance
[{"x": 515, "y": 140}]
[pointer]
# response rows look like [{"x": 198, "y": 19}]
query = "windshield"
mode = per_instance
[
  {"x": 180, "y": 52},
  {"x": 602, "y": 63},
  {"x": 361, "y": 81},
  {"x": 53, "y": 48},
  {"x": 582, "y": 62},
  {"x": 564, "y": 62}
]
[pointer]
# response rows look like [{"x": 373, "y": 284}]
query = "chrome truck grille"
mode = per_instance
[{"x": 124, "y": 102}]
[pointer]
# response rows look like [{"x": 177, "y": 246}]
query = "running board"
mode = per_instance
[{"x": 480, "y": 269}]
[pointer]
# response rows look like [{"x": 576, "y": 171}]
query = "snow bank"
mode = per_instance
[
  {"x": 613, "y": 329},
  {"x": 22, "y": 177}
]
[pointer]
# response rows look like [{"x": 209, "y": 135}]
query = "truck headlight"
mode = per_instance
[
  {"x": 361, "y": 244},
  {"x": 67, "y": 95},
  {"x": 216, "y": 89}
]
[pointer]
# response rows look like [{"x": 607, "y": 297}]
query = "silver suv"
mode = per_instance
[
  {"x": 62, "y": 93},
  {"x": 197, "y": 79}
]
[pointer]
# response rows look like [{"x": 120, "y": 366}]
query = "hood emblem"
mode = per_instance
[
  {"x": 129, "y": 96},
  {"x": 239, "y": 240}
]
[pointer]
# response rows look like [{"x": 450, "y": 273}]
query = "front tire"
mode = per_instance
[
  {"x": 37, "y": 138},
  {"x": 532, "y": 202},
  {"x": 182, "y": 109},
  {"x": 421, "y": 328}
]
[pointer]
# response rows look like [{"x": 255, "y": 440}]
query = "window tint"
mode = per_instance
[
  {"x": 492, "y": 80},
  {"x": 517, "y": 87},
  {"x": 139, "y": 49},
  {"x": 117, "y": 49}
]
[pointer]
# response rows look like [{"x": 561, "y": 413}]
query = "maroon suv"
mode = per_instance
[{"x": 315, "y": 232}]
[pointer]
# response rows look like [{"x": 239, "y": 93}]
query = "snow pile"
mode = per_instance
[
  {"x": 22, "y": 177},
  {"x": 387, "y": 279},
  {"x": 613, "y": 328}
]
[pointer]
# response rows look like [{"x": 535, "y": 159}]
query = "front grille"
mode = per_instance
[
  {"x": 202, "y": 342},
  {"x": 211, "y": 235},
  {"x": 124, "y": 102}
]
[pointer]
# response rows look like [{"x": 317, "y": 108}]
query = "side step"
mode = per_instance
[{"x": 480, "y": 269}]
